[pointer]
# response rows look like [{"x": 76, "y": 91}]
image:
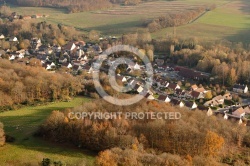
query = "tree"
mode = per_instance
[
  {"x": 93, "y": 35},
  {"x": 232, "y": 77},
  {"x": 2, "y": 135},
  {"x": 106, "y": 158},
  {"x": 208, "y": 95},
  {"x": 213, "y": 143}
]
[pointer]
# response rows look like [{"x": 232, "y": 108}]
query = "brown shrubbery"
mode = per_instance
[{"x": 193, "y": 136}]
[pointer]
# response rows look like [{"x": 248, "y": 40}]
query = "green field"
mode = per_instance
[
  {"x": 27, "y": 149},
  {"x": 231, "y": 19}
]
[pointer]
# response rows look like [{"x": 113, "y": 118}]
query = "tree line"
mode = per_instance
[
  {"x": 174, "y": 19},
  {"x": 194, "y": 136}
]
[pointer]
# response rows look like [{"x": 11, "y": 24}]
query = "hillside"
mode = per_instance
[
  {"x": 214, "y": 25},
  {"x": 75, "y": 5}
]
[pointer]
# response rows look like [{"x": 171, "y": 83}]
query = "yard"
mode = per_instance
[{"x": 22, "y": 123}]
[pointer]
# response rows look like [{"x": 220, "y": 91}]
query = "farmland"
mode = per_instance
[
  {"x": 229, "y": 20},
  {"x": 22, "y": 123}
]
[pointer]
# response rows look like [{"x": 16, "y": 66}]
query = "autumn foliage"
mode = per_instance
[
  {"x": 132, "y": 141},
  {"x": 24, "y": 84}
]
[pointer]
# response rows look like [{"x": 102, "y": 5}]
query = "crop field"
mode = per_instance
[
  {"x": 22, "y": 123},
  {"x": 151, "y": 9},
  {"x": 230, "y": 20}
]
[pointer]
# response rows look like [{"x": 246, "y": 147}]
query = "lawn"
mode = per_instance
[{"x": 22, "y": 123}]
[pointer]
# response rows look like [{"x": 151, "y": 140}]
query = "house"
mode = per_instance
[
  {"x": 2, "y": 36},
  {"x": 197, "y": 95},
  {"x": 215, "y": 101},
  {"x": 177, "y": 102},
  {"x": 219, "y": 99},
  {"x": 137, "y": 67},
  {"x": 80, "y": 52},
  {"x": 227, "y": 96},
  {"x": 14, "y": 15},
  {"x": 76, "y": 68},
  {"x": 87, "y": 68},
  {"x": 70, "y": 47},
  {"x": 57, "y": 48},
  {"x": 161, "y": 83},
  {"x": 209, "y": 112},
  {"x": 63, "y": 59},
  {"x": 121, "y": 78},
  {"x": 173, "y": 86},
  {"x": 13, "y": 39},
  {"x": 190, "y": 105},
  {"x": 53, "y": 64},
  {"x": 164, "y": 98},
  {"x": 247, "y": 110},
  {"x": 235, "y": 119},
  {"x": 138, "y": 88},
  {"x": 201, "y": 90},
  {"x": 68, "y": 65},
  {"x": 149, "y": 96},
  {"x": 12, "y": 57},
  {"x": 193, "y": 87},
  {"x": 240, "y": 88},
  {"x": 240, "y": 112}
]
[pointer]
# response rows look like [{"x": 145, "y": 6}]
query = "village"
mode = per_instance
[{"x": 168, "y": 80}]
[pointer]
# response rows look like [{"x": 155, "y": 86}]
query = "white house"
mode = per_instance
[
  {"x": 177, "y": 102},
  {"x": 138, "y": 88},
  {"x": 240, "y": 88},
  {"x": 2, "y": 36},
  {"x": 149, "y": 96},
  {"x": 121, "y": 78},
  {"x": 70, "y": 47},
  {"x": 164, "y": 98},
  {"x": 137, "y": 67},
  {"x": 191, "y": 105},
  {"x": 240, "y": 112},
  {"x": 209, "y": 112},
  {"x": 52, "y": 64},
  {"x": 173, "y": 86},
  {"x": 69, "y": 66},
  {"x": 13, "y": 39},
  {"x": 12, "y": 57}
]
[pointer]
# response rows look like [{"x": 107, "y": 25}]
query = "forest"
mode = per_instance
[
  {"x": 139, "y": 142},
  {"x": 32, "y": 83}
]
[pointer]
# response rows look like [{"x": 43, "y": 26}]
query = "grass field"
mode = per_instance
[
  {"x": 229, "y": 21},
  {"x": 27, "y": 149},
  {"x": 117, "y": 20}
]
